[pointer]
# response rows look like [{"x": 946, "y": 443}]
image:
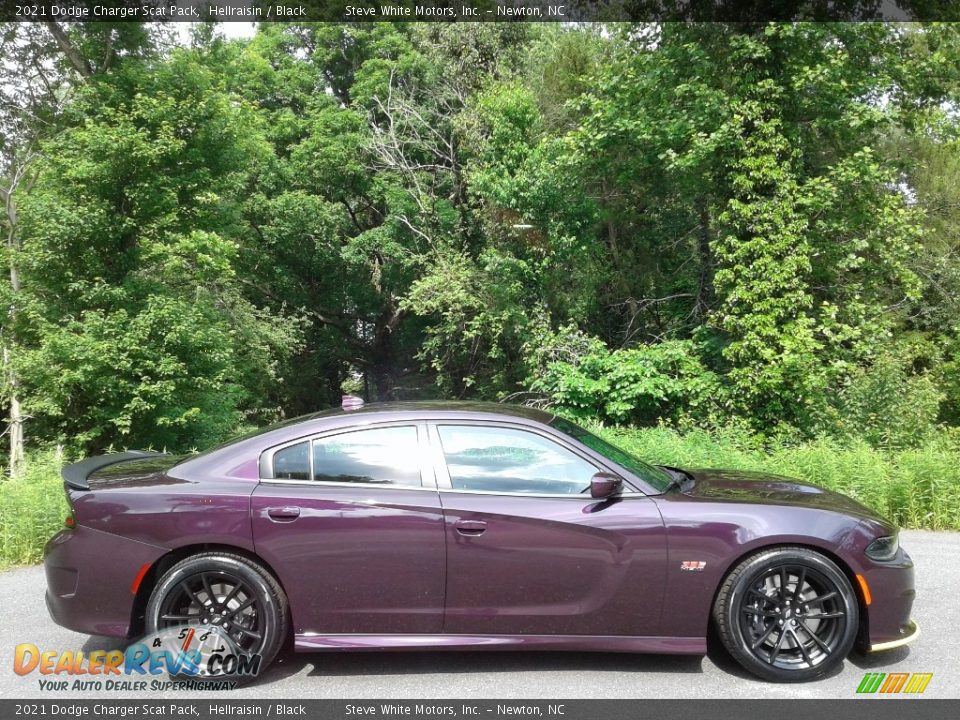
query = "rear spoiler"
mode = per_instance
[{"x": 76, "y": 474}]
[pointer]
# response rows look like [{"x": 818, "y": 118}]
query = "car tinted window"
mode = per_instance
[
  {"x": 387, "y": 456},
  {"x": 292, "y": 463},
  {"x": 651, "y": 474},
  {"x": 510, "y": 460}
]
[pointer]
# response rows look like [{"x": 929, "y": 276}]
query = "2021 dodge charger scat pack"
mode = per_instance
[{"x": 472, "y": 526}]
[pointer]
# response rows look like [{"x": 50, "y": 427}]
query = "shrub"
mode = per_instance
[
  {"x": 32, "y": 508},
  {"x": 641, "y": 385},
  {"x": 893, "y": 403}
]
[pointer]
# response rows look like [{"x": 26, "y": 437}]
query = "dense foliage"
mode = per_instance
[{"x": 698, "y": 225}]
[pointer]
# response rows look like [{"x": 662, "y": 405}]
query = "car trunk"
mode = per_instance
[{"x": 85, "y": 481}]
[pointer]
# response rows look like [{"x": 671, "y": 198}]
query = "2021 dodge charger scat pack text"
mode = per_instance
[{"x": 472, "y": 526}]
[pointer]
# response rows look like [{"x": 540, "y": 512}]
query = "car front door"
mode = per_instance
[
  {"x": 529, "y": 551},
  {"x": 351, "y": 522}
]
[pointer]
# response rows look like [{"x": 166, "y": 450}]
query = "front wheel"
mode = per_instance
[
  {"x": 787, "y": 614},
  {"x": 224, "y": 604}
]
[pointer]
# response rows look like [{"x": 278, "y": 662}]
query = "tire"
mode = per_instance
[
  {"x": 211, "y": 590},
  {"x": 791, "y": 636}
]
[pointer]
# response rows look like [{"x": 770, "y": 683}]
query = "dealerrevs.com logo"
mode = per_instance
[
  {"x": 894, "y": 683},
  {"x": 192, "y": 659}
]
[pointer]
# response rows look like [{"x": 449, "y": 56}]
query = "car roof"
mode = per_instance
[
  {"x": 429, "y": 407},
  {"x": 223, "y": 456}
]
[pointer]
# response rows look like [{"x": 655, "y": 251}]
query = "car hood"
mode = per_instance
[{"x": 764, "y": 489}]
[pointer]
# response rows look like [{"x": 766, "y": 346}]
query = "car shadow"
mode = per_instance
[
  {"x": 95, "y": 643},
  {"x": 345, "y": 664},
  {"x": 723, "y": 660},
  {"x": 869, "y": 661}
]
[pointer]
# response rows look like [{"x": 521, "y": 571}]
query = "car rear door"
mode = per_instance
[
  {"x": 351, "y": 522},
  {"x": 529, "y": 551}
]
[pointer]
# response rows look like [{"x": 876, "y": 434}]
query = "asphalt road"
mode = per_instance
[{"x": 495, "y": 675}]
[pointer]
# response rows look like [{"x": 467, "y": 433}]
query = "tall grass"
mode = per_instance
[
  {"x": 32, "y": 508},
  {"x": 916, "y": 488}
]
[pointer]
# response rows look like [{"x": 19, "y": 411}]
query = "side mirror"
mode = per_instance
[{"x": 603, "y": 485}]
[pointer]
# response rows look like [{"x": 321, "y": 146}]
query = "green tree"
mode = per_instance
[
  {"x": 137, "y": 331},
  {"x": 760, "y": 193}
]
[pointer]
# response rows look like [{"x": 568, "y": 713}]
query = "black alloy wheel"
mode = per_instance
[
  {"x": 229, "y": 594},
  {"x": 787, "y": 614},
  {"x": 218, "y": 599}
]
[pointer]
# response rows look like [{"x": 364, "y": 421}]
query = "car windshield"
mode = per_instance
[{"x": 652, "y": 475}]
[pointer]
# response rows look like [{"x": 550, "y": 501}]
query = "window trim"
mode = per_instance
[
  {"x": 302, "y": 441},
  {"x": 442, "y": 472},
  {"x": 427, "y": 471}
]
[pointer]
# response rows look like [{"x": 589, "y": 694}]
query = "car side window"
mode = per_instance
[
  {"x": 293, "y": 462},
  {"x": 382, "y": 456},
  {"x": 511, "y": 460}
]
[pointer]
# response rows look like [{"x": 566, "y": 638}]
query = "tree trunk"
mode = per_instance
[
  {"x": 619, "y": 265},
  {"x": 15, "y": 427},
  {"x": 383, "y": 370},
  {"x": 705, "y": 281},
  {"x": 78, "y": 61}
]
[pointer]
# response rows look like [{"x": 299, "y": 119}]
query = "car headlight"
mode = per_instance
[{"x": 884, "y": 548}]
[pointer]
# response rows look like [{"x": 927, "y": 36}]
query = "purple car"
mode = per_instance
[{"x": 472, "y": 526}]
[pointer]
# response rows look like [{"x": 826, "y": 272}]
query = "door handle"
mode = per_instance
[
  {"x": 471, "y": 528},
  {"x": 284, "y": 514}
]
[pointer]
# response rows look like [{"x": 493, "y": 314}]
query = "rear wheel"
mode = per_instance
[
  {"x": 787, "y": 614},
  {"x": 230, "y": 595}
]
